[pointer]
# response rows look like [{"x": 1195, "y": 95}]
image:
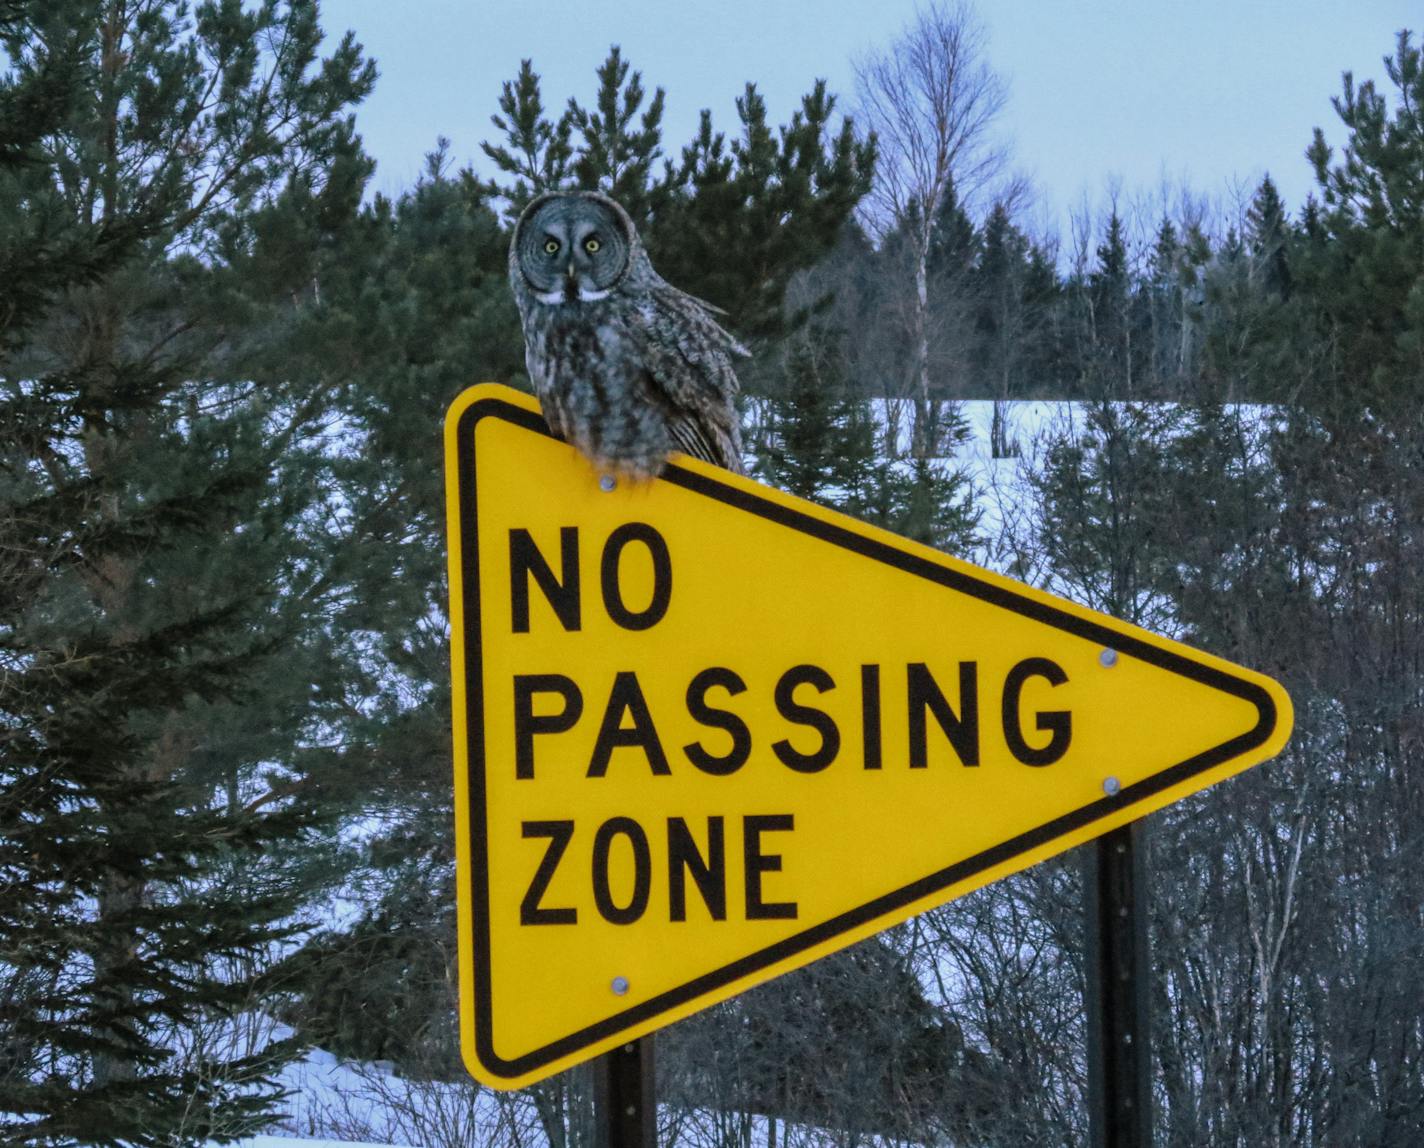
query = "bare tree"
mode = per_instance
[{"x": 931, "y": 99}]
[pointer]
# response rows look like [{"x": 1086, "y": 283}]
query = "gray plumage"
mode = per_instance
[{"x": 627, "y": 367}]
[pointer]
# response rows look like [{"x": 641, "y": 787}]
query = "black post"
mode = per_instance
[
  {"x": 625, "y": 1109},
  {"x": 1119, "y": 1042}
]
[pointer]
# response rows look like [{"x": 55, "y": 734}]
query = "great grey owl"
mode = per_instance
[{"x": 627, "y": 367}]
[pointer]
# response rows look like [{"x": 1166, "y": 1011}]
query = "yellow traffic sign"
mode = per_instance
[{"x": 706, "y": 733}]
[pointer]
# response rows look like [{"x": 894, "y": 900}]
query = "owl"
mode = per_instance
[{"x": 627, "y": 367}]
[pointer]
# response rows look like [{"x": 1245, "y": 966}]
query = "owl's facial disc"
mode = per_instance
[{"x": 572, "y": 249}]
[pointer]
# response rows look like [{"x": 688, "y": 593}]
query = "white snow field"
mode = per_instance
[{"x": 287, "y": 1141}]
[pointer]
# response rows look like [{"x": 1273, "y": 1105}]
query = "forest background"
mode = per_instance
[{"x": 225, "y": 823}]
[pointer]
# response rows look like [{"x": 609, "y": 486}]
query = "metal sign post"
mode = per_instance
[
  {"x": 1119, "y": 1044},
  {"x": 625, "y": 1098}
]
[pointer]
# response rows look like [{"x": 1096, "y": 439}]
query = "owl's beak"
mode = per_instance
[{"x": 571, "y": 282}]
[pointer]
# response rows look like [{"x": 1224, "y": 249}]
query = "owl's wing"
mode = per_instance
[
  {"x": 688, "y": 359},
  {"x": 687, "y": 352}
]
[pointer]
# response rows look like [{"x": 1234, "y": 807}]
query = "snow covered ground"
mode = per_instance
[{"x": 287, "y": 1141}]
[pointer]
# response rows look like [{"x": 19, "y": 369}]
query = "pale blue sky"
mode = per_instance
[{"x": 1211, "y": 91}]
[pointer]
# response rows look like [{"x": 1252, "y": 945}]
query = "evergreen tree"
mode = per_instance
[
  {"x": 819, "y": 439},
  {"x": 1348, "y": 455},
  {"x": 537, "y": 151},
  {"x": 1166, "y": 311},
  {"x": 1106, "y": 319},
  {"x": 1110, "y": 277},
  {"x": 1232, "y": 249},
  {"x": 1267, "y": 235},
  {"x": 1286, "y": 537},
  {"x": 936, "y": 506},
  {"x": 953, "y": 296},
  {"x": 160, "y": 514},
  {"x": 820, "y": 442},
  {"x": 1047, "y": 366},
  {"x": 1166, "y": 250},
  {"x": 615, "y": 159},
  {"x": 1003, "y": 326},
  {"x": 1110, "y": 292},
  {"x": 954, "y": 241},
  {"x": 740, "y": 219},
  {"x": 1366, "y": 279}
]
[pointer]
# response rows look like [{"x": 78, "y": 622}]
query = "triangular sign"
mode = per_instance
[{"x": 706, "y": 733}]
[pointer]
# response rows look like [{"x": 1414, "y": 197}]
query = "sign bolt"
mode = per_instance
[
  {"x": 607, "y": 483},
  {"x": 1108, "y": 658},
  {"x": 619, "y": 986},
  {"x": 1112, "y": 786}
]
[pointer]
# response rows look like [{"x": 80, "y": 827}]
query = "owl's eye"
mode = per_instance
[
  {"x": 551, "y": 247},
  {"x": 591, "y": 244}
]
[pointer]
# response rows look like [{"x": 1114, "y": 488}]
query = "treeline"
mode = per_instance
[{"x": 224, "y": 759}]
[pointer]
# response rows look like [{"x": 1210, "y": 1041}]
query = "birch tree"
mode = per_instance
[{"x": 931, "y": 99}]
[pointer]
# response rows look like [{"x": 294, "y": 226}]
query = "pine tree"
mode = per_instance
[
  {"x": 1232, "y": 249},
  {"x": 1004, "y": 328},
  {"x": 1106, "y": 322},
  {"x": 740, "y": 219},
  {"x": 819, "y": 439},
  {"x": 159, "y": 513},
  {"x": 1286, "y": 537},
  {"x": 1047, "y": 367},
  {"x": 1267, "y": 236},
  {"x": 1366, "y": 279},
  {"x": 1110, "y": 285},
  {"x": 954, "y": 242},
  {"x": 537, "y": 151},
  {"x": 614, "y": 158},
  {"x": 953, "y": 297},
  {"x": 417, "y": 290},
  {"x": 820, "y": 442},
  {"x": 1166, "y": 310}
]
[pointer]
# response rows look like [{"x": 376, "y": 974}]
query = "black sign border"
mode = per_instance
[{"x": 910, "y": 563}]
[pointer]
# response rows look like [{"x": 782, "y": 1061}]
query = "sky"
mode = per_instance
[{"x": 1138, "y": 95}]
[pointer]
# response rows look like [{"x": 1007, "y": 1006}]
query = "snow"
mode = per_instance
[
  {"x": 286, "y": 1141},
  {"x": 367, "y": 1103}
]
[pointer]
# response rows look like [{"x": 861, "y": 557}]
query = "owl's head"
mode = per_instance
[{"x": 573, "y": 246}]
